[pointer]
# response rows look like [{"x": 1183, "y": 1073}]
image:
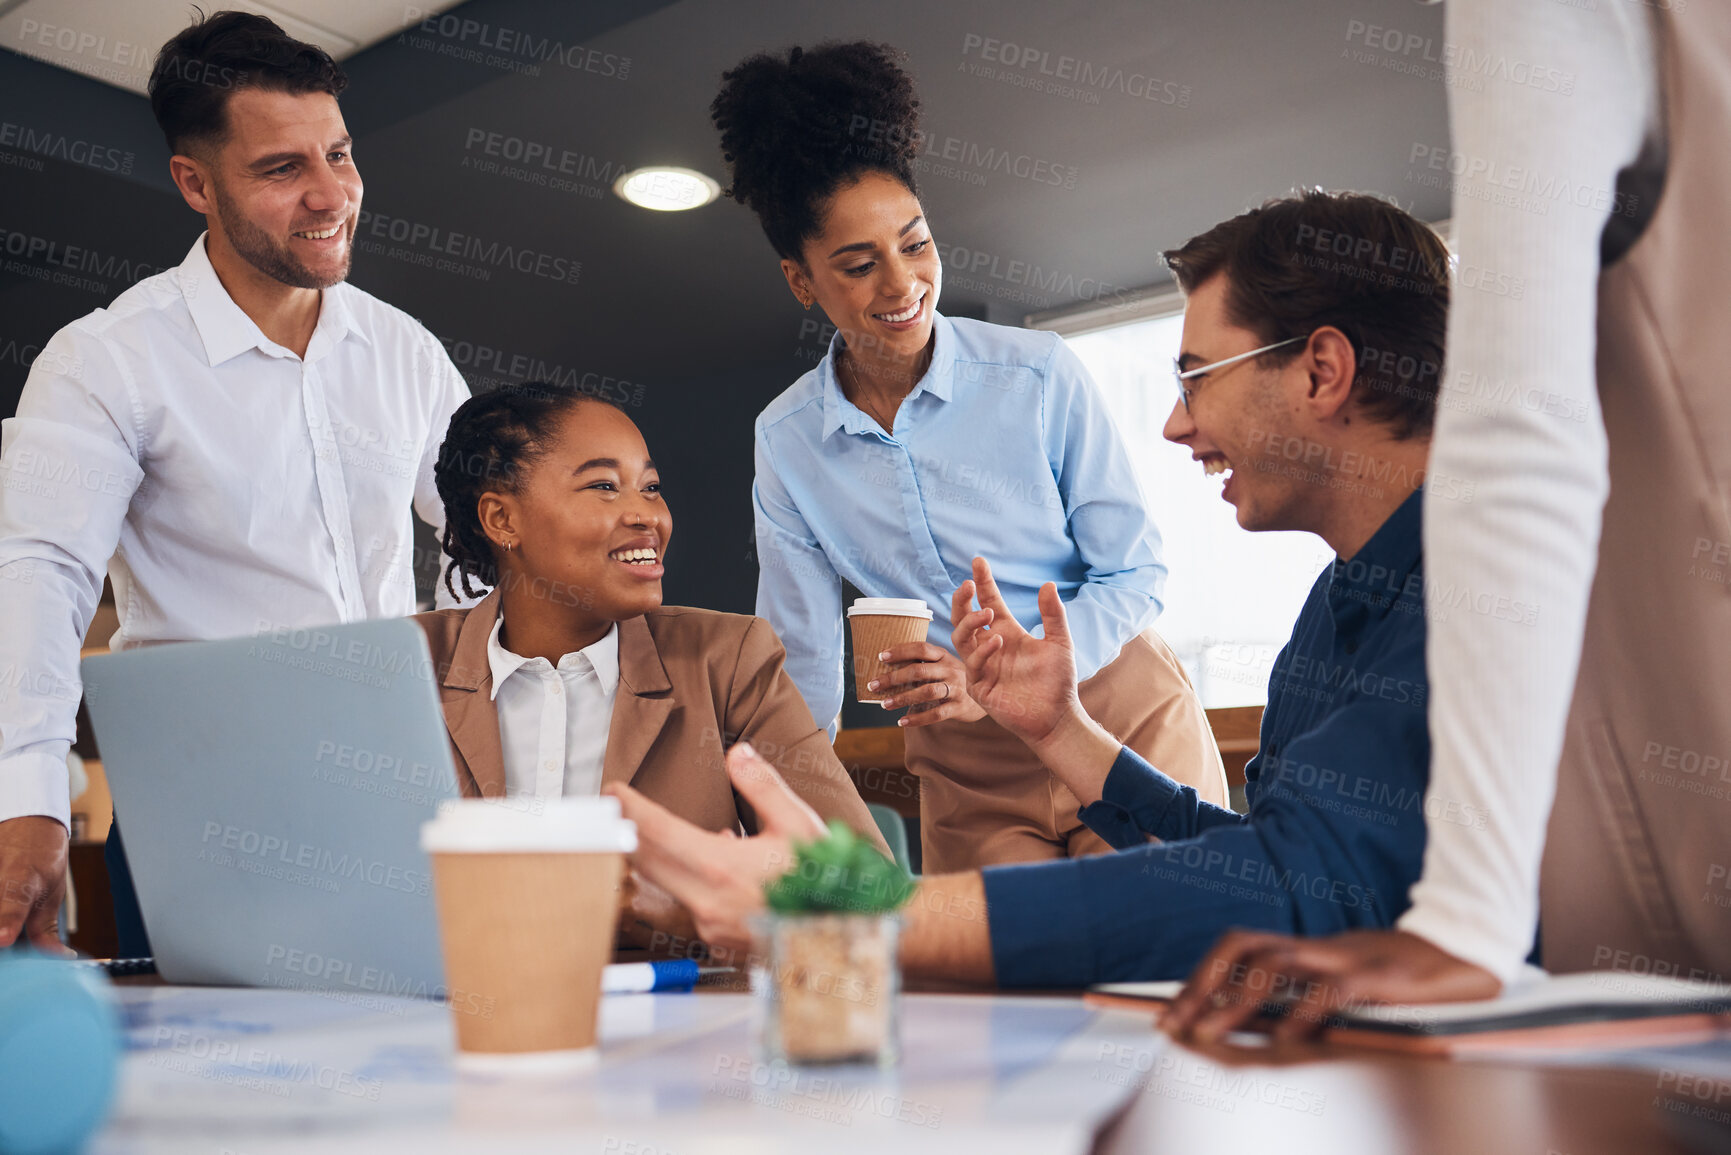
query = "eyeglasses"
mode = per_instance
[{"x": 1181, "y": 374}]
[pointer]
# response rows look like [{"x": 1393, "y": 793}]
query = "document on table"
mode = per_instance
[
  {"x": 270, "y": 1072},
  {"x": 1609, "y": 1011}
]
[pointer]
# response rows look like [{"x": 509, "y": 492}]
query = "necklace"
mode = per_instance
[
  {"x": 850, "y": 381},
  {"x": 850, "y": 384}
]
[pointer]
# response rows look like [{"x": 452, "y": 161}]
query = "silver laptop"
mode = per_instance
[{"x": 272, "y": 791}]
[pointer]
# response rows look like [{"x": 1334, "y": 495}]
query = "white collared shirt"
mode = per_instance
[
  {"x": 227, "y": 486},
  {"x": 553, "y": 722}
]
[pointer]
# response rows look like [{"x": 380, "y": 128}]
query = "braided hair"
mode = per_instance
[
  {"x": 797, "y": 126},
  {"x": 492, "y": 441}
]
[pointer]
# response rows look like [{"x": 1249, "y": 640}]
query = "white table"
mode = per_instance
[{"x": 250, "y": 1072}]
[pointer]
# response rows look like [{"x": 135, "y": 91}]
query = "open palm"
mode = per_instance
[
  {"x": 1026, "y": 683},
  {"x": 717, "y": 877}
]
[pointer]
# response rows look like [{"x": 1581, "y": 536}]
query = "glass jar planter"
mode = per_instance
[{"x": 829, "y": 988}]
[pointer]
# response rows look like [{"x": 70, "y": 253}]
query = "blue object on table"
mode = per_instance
[
  {"x": 678, "y": 974},
  {"x": 59, "y": 1049}
]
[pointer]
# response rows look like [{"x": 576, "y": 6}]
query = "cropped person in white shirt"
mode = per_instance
[
  {"x": 237, "y": 441},
  {"x": 1590, "y": 411}
]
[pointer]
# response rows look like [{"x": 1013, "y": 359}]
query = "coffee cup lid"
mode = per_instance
[
  {"x": 528, "y": 825},
  {"x": 891, "y": 607}
]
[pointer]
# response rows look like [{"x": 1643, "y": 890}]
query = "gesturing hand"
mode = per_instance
[
  {"x": 1027, "y": 684},
  {"x": 719, "y": 877}
]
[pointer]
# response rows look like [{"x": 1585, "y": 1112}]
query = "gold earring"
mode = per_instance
[
  {"x": 806, "y": 301},
  {"x": 507, "y": 547}
]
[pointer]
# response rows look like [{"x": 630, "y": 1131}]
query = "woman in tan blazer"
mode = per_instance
[{"x": 571, "y": 673}]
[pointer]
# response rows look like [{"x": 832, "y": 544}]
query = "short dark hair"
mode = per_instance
[
  {"x": 210, "y": 60},
  {"x": 1356, "y": 262},
  {"x": 797, "y": 126},
  {"x": 493, "y": 439}
]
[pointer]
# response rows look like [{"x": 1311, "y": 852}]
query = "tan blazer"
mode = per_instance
[{"x": 691, "y": 683}]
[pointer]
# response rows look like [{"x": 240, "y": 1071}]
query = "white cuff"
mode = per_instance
[
  {"x": 1476, "y": 941},
  {"x": 34, "y": 781}
]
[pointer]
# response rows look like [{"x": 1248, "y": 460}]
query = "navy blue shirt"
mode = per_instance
[{"x": 1335, "y": 831}]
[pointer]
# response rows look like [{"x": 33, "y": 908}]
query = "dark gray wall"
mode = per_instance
[{"x": 1194, "y": 109}]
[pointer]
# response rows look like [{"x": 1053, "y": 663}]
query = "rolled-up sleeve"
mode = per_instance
[{"x": 1119, "y": 544}]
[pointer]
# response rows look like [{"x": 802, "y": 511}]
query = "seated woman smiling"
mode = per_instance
[{"x": 571, "y": 673}]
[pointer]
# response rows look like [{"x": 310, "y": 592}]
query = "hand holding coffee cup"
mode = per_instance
[
  {"x": 896, "y": 667},
  {"x": 878, "y": 625},
  {"x": 930, "y": 682}
]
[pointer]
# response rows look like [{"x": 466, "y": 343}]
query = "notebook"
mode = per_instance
[{"x": 1555, "y": 1010}]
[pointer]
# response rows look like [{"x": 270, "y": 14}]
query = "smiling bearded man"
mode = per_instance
[{"x": 249, "y": 432}]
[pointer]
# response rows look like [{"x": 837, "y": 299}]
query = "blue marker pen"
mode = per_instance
[{"x": 678, "y": 974}]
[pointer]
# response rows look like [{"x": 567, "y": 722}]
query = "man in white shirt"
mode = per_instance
[
  {"x": 1590, "y": 410},
  {"x": 237, "y": 441}
]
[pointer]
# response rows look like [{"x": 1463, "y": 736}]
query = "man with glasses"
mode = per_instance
[{"x": 1313, "y": 336}]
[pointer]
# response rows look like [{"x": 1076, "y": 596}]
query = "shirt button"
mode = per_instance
[
  {"x": 548, "y": 764},
  {"x": 557, "y": 688}
]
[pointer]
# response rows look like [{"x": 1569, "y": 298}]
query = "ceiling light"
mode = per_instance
[{"x": 665, "y": 189}]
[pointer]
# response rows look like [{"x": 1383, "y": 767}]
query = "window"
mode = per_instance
[{"x": 1231, "y": 596}]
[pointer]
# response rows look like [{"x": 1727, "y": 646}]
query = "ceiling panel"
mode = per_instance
[{"x": 115, "y": 41}]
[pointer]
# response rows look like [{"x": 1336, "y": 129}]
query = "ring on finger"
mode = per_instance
[{"x": 946, "y": 696}]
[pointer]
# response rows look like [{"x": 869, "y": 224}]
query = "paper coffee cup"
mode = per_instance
[
  {"x": 878, "y": 624},
  {"x": 528, "y": 898}
]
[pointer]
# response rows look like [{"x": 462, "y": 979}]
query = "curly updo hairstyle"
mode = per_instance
[
  {"x": 796, "y": 126},
  {"x": 493, "y": 440}
]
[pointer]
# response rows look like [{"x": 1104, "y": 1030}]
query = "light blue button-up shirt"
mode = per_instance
[{"x": 1004, "y": 449}]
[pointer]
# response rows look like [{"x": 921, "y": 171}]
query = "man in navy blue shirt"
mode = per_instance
[{"x": 1313, "y": 336}]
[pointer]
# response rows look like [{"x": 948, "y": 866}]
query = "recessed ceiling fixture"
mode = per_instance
[{"x": 666, "y": 189}]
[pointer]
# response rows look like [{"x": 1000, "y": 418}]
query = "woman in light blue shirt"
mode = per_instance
[{"x": 920, "y": 441}]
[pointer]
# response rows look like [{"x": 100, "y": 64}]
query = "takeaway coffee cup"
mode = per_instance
[
  {"x": 878, "y": 624},
  {"x": 528, "y": 898}
]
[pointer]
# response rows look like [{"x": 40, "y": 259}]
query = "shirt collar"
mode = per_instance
[
  {"x": 336, "y": 321},
  {"x": 939, "y": 380},
  {"x": 601, "y": 656},
  {"x": 227, "y": 331},
  {"x": 1367, "y": 586}
]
